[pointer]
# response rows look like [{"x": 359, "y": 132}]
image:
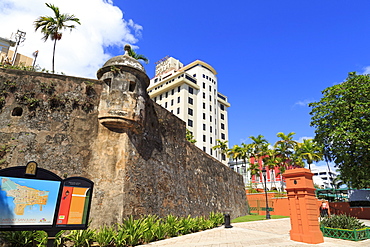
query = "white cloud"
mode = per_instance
[
  {"x": 304, "y": 138},
  {"x": 366, "y": 70},
  {"x": 80, "y": 52},
  {"x": 303, "y": 102}
]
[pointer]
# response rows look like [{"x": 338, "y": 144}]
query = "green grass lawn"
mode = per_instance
[{"x": 247, "y": 218}]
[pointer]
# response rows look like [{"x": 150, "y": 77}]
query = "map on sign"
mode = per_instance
[{"x": 27, "y": 201}]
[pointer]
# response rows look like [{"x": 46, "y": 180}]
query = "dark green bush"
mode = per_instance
[
  {"x": 130, "y": 233},
  {"x": 342, "y": 222}
]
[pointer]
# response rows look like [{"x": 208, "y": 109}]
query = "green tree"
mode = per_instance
[
  {"x": 270, "y": 160},
  {"x": 259, "y": 146},
  {"x": 221, "y": 146},
  {"x": 342, "y": 122},
  {"x": 133, "y": 54},
  {"x": 51, "y": 26},
  {"x": 190, "y": 137},
  {"x": 235, "y": 153},
  {"x": 309, "y": 151},
  {"x": 285, "y": 149}
]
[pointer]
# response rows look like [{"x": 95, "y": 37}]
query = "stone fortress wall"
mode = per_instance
[{"x": 110, "y": 132}]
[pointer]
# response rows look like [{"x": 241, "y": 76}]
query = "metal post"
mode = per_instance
[
  {"x": 19, "y": 37},
  {"x": 227, "y": 221}
]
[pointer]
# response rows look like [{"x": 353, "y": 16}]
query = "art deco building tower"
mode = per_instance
[{"x": 190, "y": 92}]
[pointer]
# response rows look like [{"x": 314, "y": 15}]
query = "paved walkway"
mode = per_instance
[{"x": 273, "y": 232}]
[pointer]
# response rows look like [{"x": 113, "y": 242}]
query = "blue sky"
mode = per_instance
[{"x": 272, "y": 57}]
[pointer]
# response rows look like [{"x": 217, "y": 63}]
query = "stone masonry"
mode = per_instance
[{"x": 110, "y": 132}]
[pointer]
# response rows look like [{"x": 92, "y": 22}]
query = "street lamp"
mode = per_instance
[{"x": 267, "y": 203}]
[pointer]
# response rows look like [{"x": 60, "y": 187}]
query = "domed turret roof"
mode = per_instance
[{"x": 121, "y": 60}]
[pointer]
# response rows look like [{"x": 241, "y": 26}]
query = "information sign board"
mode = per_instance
[
  {"x": 27, "y": 201},
  {"x": 33, "y": 198}
]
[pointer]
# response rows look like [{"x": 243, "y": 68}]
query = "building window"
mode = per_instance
[
  {"x": 204, "y": 127},
  {"x": 204, "y": 85},
  {"x": 210, "y": 129},
  {"x": 223, "y": 157},
  {"x": 190, "y": 112},
  {"x": 210, "y": 88},
  {"x": 210, "y": 98},
  {"x": 204, "y": 95},
  {"x": 210, "y": 108},
  {"x": 204, "y": 116},
  {"x": 178, "y": 89},
  {"x": 190, "y": 123},
  {"x": 204, "y": 138},
  {"x": 165, "y": 105},
  {"x": 210, "y": 140},
  {"x": 190, "y": 101},
  {"x": 178, "y": 99},
  {"x": 204, "y": 105},
  {"x": 160, "y": 97},
  {"x": 211, "y": 151},
  {"x": 166, "y": 94},
  {"x": 222, "y": 136},
  {"x": 178, "y": 110},
  {"x": 222, "y": 107},
  {"x": 210, "y": 118},
  {"x": 222, "y": 126},
  {"x": 204, "y": 76},
  {"x": 195, "y": 75},
  {"x": 191, "y": 91},
  {"x": 222, "y": 116},
  {"x": 204, "y": 149},
  {"x": 171, "y": 101},
  {"x": 155, "y": 99},
  {"x": 173, "y": 91}
]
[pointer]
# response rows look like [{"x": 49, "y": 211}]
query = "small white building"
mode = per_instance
[{"x": 323, "y": 177}]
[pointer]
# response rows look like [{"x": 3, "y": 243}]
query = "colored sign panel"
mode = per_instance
[
  {"x": 74, "y": 205},
  {"x": 27, "y": 201}
]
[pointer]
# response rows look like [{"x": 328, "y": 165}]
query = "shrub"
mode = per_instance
[{"x": 342, "y": 222}]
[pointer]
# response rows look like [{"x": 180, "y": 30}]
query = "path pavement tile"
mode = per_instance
[{"x": 265, "y": 233}]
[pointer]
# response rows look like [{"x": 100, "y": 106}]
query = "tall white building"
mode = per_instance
[{"x": 190, "y": 92}]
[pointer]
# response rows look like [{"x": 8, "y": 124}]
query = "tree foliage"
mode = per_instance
[
  {"x": 342, "y": 121},
  {"x": 131, "y": 52},
  {"x": 190, "y": 136},
  {"x": 51, "y": 26}
]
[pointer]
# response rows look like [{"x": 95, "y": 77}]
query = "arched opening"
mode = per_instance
[
  {"x": 132, "y": 86},
  {"x": 18, "y": 111}
]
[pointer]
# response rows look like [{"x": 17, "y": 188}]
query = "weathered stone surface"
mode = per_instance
[{"x": 53, "y": 120}]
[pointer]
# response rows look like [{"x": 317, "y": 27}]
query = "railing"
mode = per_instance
[
  {"x": 354, "y": 235},
  {"x": 259, "y": 206}
]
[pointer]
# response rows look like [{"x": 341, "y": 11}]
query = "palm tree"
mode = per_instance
[
  {"x": 284, "y": 153},
  {"x": 259, "y": 146},
  {"x": 52, "y": 25},
  {"x": 309, "y": 151},
  {"x": 271, "y": 162},
  {"x": 235, "y": 153},
  {"x": 285, "y": 149},
  {"x": 222, "y": 146},
  {"x": 133, "y": 54}
]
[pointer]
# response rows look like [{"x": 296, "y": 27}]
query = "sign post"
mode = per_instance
[{"x": 33, "y": 198}]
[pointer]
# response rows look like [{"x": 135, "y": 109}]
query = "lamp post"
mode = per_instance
[{"x": 267, "y": 204}]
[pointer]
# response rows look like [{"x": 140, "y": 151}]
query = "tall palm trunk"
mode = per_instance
[{"x": 55, "y": 42}]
